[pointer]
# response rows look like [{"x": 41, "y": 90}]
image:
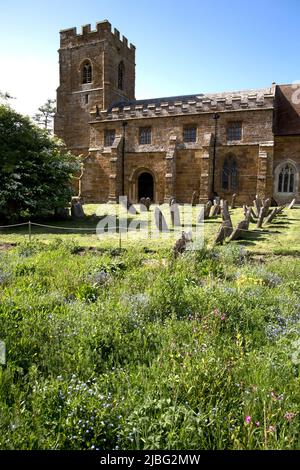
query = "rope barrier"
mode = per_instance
[
  {"x": 63, "y": 228},
  {"x": 14, "y": 225}
]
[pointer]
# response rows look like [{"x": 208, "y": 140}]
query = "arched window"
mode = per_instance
[
  {"x": 121, "y": 74},
  {"x": 229, "y": 174},
  {"x": 286, "y": 179},
  {"x": 87, "y": 74}
]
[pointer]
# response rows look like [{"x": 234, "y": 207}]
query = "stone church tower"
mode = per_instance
[{"x": 97, "y": 68}]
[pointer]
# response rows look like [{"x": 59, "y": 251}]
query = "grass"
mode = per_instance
[{"x": 131, "y": 349}]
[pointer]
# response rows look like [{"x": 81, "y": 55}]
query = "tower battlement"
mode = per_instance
[{"x": 71, "y": 38}]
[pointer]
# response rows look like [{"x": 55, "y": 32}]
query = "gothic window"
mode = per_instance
[
  {"x": 229, "y": 174},
  {"x": 87, "y": 75},
  {"x": 234, "y": 131},
  {"x": 145, "y": 135},
  {"x": 109, "y": 137},
  {"x": 121, "y": 74},
  {"x": 286, "y": 179},
  {"x": 190, "y": 134}
]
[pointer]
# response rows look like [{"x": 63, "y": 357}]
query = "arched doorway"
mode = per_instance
[{"x": 146, "y": 186}]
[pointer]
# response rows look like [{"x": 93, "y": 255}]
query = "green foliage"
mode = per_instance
[
  {"x": 138, "y": 351},
  {"x": 35, "y": 169}
]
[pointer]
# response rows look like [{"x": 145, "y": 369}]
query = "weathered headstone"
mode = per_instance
[
  {"x": 291, "y": 205},
  {"x": 224, "y": 231},
  {"x": 148, "y": 203},
  {"x": 160, "y": 221},
  {"x": 207, "y": 209},
  {"x": 143, "y": 207},
  {"x": 77, "y": 210},
  {"x": 201, "y": 215},
  {"x": 233, "y": 200},
  {"x": 216, "y": 208},
  {"x": 225, "y": 210},
  {"x": 240, "y": 230},
  {"x": 271, "y": 216},
  {"x": 181, "y": 244},
  {"x": 175, "y": 215},
  {"x": 194, "y": 198},
  {"x": 257, "y": 204},
  {"x": 260, "y": 218}
]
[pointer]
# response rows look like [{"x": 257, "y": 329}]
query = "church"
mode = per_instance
[{"x": 243, "y": 142}]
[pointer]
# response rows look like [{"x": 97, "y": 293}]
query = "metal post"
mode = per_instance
[
  {"x": 216, "y": 116},
  {"x": 29, "y": 231}
]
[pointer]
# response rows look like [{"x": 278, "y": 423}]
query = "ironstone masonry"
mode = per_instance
[{"x": 172, "y": 146}]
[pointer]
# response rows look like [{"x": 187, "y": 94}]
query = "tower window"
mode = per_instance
[
  {"x": 234, "y": 131},
  {"x": 286, "y": 179},
  {"x": 109, "y": 137},
  {"x": 190, "y": 134},
  {"x": 87, "y": 74},
  {"x": 86, "y": 99},
  {"x": 121, "y": 74},
  {"x": 145, "y": 135},
  {"x": 229, "y": 174}
]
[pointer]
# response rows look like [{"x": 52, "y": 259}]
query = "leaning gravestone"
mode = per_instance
[
  {"x": 291, "y": 205},
  {"x": 271, "y": 216},
  {"x": 77, "y": 210},
  {"x": 224, "y": 231},
  {"x": 160, "y": 221},
  {"x": 240, "y": 230},
  {"x": 260, "y": 217},
  {"x": 257, "y": 204}
]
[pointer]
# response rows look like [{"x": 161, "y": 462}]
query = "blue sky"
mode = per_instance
[{"x": 183, "y": 47}]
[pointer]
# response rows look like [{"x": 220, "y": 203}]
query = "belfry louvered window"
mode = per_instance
[{"x": 87, "y": 74}]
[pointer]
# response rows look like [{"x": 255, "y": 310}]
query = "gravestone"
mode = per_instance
[
  {"x": 148, "y": 203},
  {"x": 240, "y": 230},
  {"x": 160, "y": 221},
  {"x": 207, "y": 209},
  {"x": 260, "y": 218},
  {"x": 175, "y": 215},
  {"x": 271, "y": 216},
  {"x": 143, "y": 207},
  {"x": 291, "y": 205},
  {"x": 77, "y": 210},
  {"x": 225, "y": 230},
  {"x": 181, "y": 244},
  {"x": 233, "y": 199},
  {"x": 194, "y": 198}
]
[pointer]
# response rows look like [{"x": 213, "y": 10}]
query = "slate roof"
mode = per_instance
[
  {"x": 196, "y": 97},
  {"x": 287, "y": 110}
]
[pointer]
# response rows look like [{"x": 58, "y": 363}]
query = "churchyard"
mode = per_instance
[{"x": 112, "y": 343}]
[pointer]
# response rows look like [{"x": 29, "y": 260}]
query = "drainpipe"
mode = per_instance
[
  {"x": 124, "y": 124},
  {"x": 216, "y": 117}
]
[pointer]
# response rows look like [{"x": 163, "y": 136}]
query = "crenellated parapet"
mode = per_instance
[
  {"x": 71, "y": 38},
  {"x": 237, "y": 101}
]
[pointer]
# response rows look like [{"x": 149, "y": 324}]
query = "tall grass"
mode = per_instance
[{"x": 136, "y": 350}]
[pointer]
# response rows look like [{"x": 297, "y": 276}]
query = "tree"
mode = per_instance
[
  {"x": 36, "y": 170},
  {"x": 46, "y": 114},
  {"x": 5, "y": 96}
]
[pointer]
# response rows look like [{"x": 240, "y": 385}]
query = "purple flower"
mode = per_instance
[{"x": 248, "y": 419}]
